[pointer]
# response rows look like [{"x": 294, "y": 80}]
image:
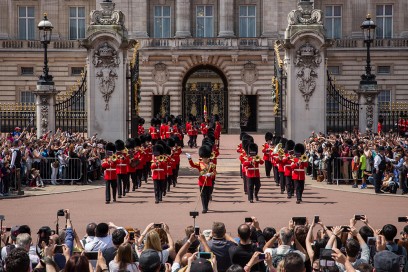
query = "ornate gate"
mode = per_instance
[
  {"x": 71, "y": 114},
  {"x": 342, "y": 109},
  {"x": 215, "y": 97}
]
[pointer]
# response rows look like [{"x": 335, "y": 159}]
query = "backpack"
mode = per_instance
[
  {"x": 277, "y": 258},
  {"x": 9, "y": 248}
]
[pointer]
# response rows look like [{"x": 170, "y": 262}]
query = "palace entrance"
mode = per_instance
[{"x": 206, "y": 85}]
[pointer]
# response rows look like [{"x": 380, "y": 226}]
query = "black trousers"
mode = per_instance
[
  {"x": 300, "y": 187},
  {"x": 146, "y": 171},
  {"x": 268, "y": 168},
  {"x": 289, "y": 185},
  {"x": 205, "y": 196},
  {"x": 158, "y": 187},
  {"x": 169, "y": 182},
  {"x": 276, "y": 175},
  {"x": 254, "y": 184},
  {"x": 282, "y": 181},
  {"x": 378, "y": 176},
  {"x": 110, "y": 184},
  {"x": 245, "y": 179},
  {"x": 123, "y": 180},
  {"x": 134, "y": 180},
  {"x": 139, "y": 173}
]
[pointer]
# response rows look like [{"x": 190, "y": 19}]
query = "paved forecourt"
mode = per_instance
[{"x": 229, "y": 204}]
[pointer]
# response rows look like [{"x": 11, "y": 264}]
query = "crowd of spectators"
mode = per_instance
[
  {"x": 358, "y": 160},
  {"x": 55, "y": 158},
  {"x": 299, "y": 246}
]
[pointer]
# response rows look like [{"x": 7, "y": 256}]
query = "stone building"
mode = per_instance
[{"x": 217, "y": 51}]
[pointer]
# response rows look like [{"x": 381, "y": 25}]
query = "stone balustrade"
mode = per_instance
[
  {"x": 381, "y": 43},
  {"x": 33, "y": 44}
]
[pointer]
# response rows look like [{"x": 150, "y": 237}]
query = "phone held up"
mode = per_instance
[
  {"x": 158, "y": 226},
  {"x": 204, "y": 255},
  {"x": 196, "y": 230},
  {"x": 248, "y": 220}
]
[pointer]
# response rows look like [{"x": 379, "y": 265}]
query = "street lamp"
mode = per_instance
[
  {"x": 368, "y": 27},
  {"x": 45, "y": 30}
]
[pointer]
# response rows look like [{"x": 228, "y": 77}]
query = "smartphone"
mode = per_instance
[
  {"x": 196, "y": 230},
  {"x": 359, "y": 217},
  {"x": 299, "y": 220},
  {"x": 345, "y": 229},
  {"x": 371, "y": 241},
  {"x": 8, "y": 229},
  {"x": 316, "y": 219},
  {"x": 329, "y": 227},
  {"x": 248, "y": 220},
  {"x": 91, "y": 255},
  {"x": 131, "y": 235},
  {"x": 60, "y": 212},
  {"x": 157, "y": 225},
  {"x": 204, "y": 255},
  {"x": 402, "y": 219},
  {"x": 261, "y": 256}
]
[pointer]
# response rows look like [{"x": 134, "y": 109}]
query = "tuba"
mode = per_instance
[{"x": 277, "y": 148}]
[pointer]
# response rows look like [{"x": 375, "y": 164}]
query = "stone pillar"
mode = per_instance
[
  {"x": 4, "y": 20},
  {"x": 368, "y": 111},
  {"x": 183, "y": 29},
  {"x": 107, "y": 96},
  {"x": 226, "y": 19},
  {"x": 270, "y": 11},
  {"x": 306, "y": 74},
  {"x": 45, "y": 108},
  {"x": 138, "y": 17}
]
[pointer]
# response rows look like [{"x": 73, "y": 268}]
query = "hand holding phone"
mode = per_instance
[
  {"x": 158, "y": 226},
  {"x": 403, "y": 219},
  {"x": 359, "y": 217},
  {"x": 316, "y": 219},
  {"x": 197, "y": 230},
  {"x": 248, "y": 220}
]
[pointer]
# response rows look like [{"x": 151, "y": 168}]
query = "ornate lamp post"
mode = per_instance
[
  {"x": 368, "y": 27},
  {"x": 45, "y": 92}
]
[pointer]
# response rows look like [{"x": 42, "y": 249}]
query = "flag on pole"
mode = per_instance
[{"x": 205, "y": 109}]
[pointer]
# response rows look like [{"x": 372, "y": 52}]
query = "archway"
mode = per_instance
[{"x": 206, "y": 84}]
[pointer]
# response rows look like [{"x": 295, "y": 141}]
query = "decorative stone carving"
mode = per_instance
[
  {"x": 44, "y": 113},
  {"x": 264, "y": 58},
  {"x": 305, "y": 15},
  {"x": 204, "y": 58},
  {"x": 145, "y": 59},
  {"x": 107, "y": 15},
  {"x": 175, "y": 58},
  {"x": 105, "y": 59},
  {"x": 249, "y": 73},
  {"x": 370, "y": 110},
  {"x": 234, "y": 58},
  {"x": 307, "y": 60},
  {"x": 160, "y": 73}
]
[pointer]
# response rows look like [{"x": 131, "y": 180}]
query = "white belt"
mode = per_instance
[
  {"x": 158, "y": 169},
  {"x": 253, "y": 168},
  {"x": 110, "y": 169},
  {"x": 299, "y": 170},
  {"x": 121, "y": 164}
]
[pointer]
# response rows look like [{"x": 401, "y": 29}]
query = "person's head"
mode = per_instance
[
  {"x": 24, "y": 240},
  {"x": 365, "y": 267},
  {"x": 124, "y": 255},
  {"x": 386, "y": 261},
  {"x": 118, "y": 237},
  {"x": 316, "y": 266},
  {"x": 24, "y": 229},
  {"x": 163, "y": 236},
  {"x": 153, "y": 241},
  {"x": 244, "y": 232},
  {"x": 90, "y": 229},
  {"x": 293, "y": 262},
  {"x": 77, "y": 263},
  {"x": 201, "y": 265},
  {"x": 405, "y": 232},
  {"x": 352, "y": 248},
  {"x": 149, "y": 261},
  {"x": 189, "y": 230},
  {"x": 286, "y": 235},
  {"x": 235, "y": 268},
  {"x": 102, "y": 230},
  {"x": 17, "y": 260},
  {"x": 389, "y": 231},
  {"x": 366, "y": 232},
  {"x": 268, "y": 233},
  {"x": 218, "y": 230},
  {"x": 300, "y": 234}
]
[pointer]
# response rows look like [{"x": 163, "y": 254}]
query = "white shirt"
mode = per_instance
[
  {"x": 99, "y": 243},
  {"x": 114, "y": 267},
  {"x": 283, "y": 250}
]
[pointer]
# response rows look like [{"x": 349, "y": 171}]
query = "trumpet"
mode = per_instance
[
  {"x": 113, "y": 158},
  {"x": 304, "y": 158},
  {"x": 161, "y": 158},
  {"x": 256, "y": 158}
]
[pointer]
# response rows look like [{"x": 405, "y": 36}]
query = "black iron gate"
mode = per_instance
[
  {"x": 342, "y": 113},
  {"x": 161, "y": 105},
  {"x": 248, "y": 113},
  {"x": 213, "y": 95},
  {"x": 71, "y": 114}
]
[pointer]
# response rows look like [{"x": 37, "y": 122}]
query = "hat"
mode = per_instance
[
  {"x": 149, "y": 260},
  {"x": 120, "y": 145},
  {"x": 14, "y": 232},
  {"x": 289, "y": 145},
  {"x": 386, "y": 261},
  {"x": 252, "y": 149},
  {"x": 110, "y": 147},
  {"x": 201, "y": 265},
  {"x": 130, "y": 143},
  {"x": 268, "y": 136},
  {"x": 158, "y": 150},
  {"x": 204, "y": 151},
  {"x": 17, "y": 128}
]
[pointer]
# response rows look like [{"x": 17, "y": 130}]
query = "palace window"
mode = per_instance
[
  {"x": 76, "y": 23},
  {"x": 26, "y": 71},
  {"x": 162, "y": 22},
  {"x": 27, "y": 97},
  {"x": 26, "y": 23},
  {"x": 384, "y": 21},
  {"x": 334, "y": 70},
  {"x": 247, "y": 21},
  {"x": 384, "y": 70},
  {"x": 333, "y": 22},
  {"x": 76, "y": 71},
  {"x": 205, "y": 21},
  {"x": 384, "y": 98}
]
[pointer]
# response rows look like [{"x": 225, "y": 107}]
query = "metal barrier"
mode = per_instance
[{"x": 342, "y": 169}]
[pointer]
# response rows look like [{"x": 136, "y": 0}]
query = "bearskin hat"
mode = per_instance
[
  {"x": 299, "y": 149},
  {"x": 110, "y": 147},
  {"x": 248, "y": 137},
  {"x": 208, "y": 141},
  {"x": 283, "y": 141},
  {"x": 138, "y": 142},
  {"x": 216, "y": 118},
  {"x": 289, "y": 145},
  {"x": 119, "y": 145},
  {"x": 141, "y": 121},
  {"x": 204, "y": 151},
  {"x": 268, "y": 136},
  {"x": 242, "y": 135},
  {"x": 130, "y": 143},
  {"x": 171, "y": 142},
  {"x": 147, "y": 137},
  {"x": 158, "y": 150},
  {"x": 252, "y": 149},
  {"x": 277, "y": 140},
  {"x": 153, "y": 122},
  {"x": 161, "y": 142}
]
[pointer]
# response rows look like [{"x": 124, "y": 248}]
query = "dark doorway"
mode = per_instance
[
  {"x": 161, "y": 105},
  {"x": 248, "y": 112}
]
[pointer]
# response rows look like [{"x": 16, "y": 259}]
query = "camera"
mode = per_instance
[
  {"x": 299, "y": 220},
  {"x": 194, "y": 214},
  {"x": 371, "y": 241},
  {"x": 402, "y": 219},
  {"x": 359, "y": 217},
  {"x": 326, "y": 259},
  {"x": 196, "y": 230},
  {"x": 345, "y": 229},
  {"x": 261, "y": 256},
  {"x": 61, "y": 212},
  {"x": 248, "y": 220},
  {"x": 157, "y": 225}
]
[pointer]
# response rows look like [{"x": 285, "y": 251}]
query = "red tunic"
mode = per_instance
[
  {"x": 204, "y": 128},
  {"x": 252, "y": 167},
  {"x": 140, "y": 130},
  {"x": 217, "y": 130},
  {"x": 298, "y": 169},
  {"x": 121, "y": 164},
  {"x": 164, "y": 129},
  {"x": 154, "y": 133},
  {"x": 286, "y": 166},
  {"x": 110, "y": 169},
  {"x": 239, "y": 148},
  {"x": 203, "y": 180},
  {"x": 266, "y": 152},
  {"x": 158, "y": 169}
]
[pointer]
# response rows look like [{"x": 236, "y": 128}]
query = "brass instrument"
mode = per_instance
[
  {"x": 114, "y": 158},
  {"x": 256, "y": 158},
  {"x": 304, "y": 158},
  {"x": 161, "y": 158},
  {"x": 277, "y": 148}
]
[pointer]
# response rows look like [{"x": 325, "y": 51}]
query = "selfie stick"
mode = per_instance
[{"x": 1, "y": 228}]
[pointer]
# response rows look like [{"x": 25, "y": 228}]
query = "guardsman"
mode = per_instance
[
  {"x": 287, "y": 161},
  {"x": 243, "y": 157},
  {"x": 159, "y": 167},
  {"x": 140, "y": 128},
  {"x": 121, "y": 167},
  {"x": 176, "y": 152},
  {"x": 207, "y": 172},
  {"x": 274, "y": 156},
  {"x": 299, "y": 166},
  {"x": 280, "y": 163},
  {"x": 217, "y": 130},
  {"x": 154, "y": 133},
  {"x": 252, "y": 164},
  {"x": 239, "y": 150},
  {"x": 133, "y": 162},
  {"x": 109, "y": 174},
  {"x": 146, "y": 140},
  {"x": 164, "y": 129},
  {"x": 204, "y": 128},
  {"x": 266, "y": 150}
]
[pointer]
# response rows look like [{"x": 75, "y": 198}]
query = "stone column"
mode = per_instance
[
  {"x": 306, "y": 73},
  {"x": 138, "y": 18},
  {"x": 270, "y": 23},
  {"x": 107, "y": 96},
  {"x": 226, "y": 19},
  {"x": 45, "y": 108},
  {"x": 183, "y": 28},
  {"x": 368, "y": 114}
]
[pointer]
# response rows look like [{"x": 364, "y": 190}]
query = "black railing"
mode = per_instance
[
  {"x": 342, "y": 114},
  {"x": 16, "y": 115},
  {"x": 393, "y": 117}
]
